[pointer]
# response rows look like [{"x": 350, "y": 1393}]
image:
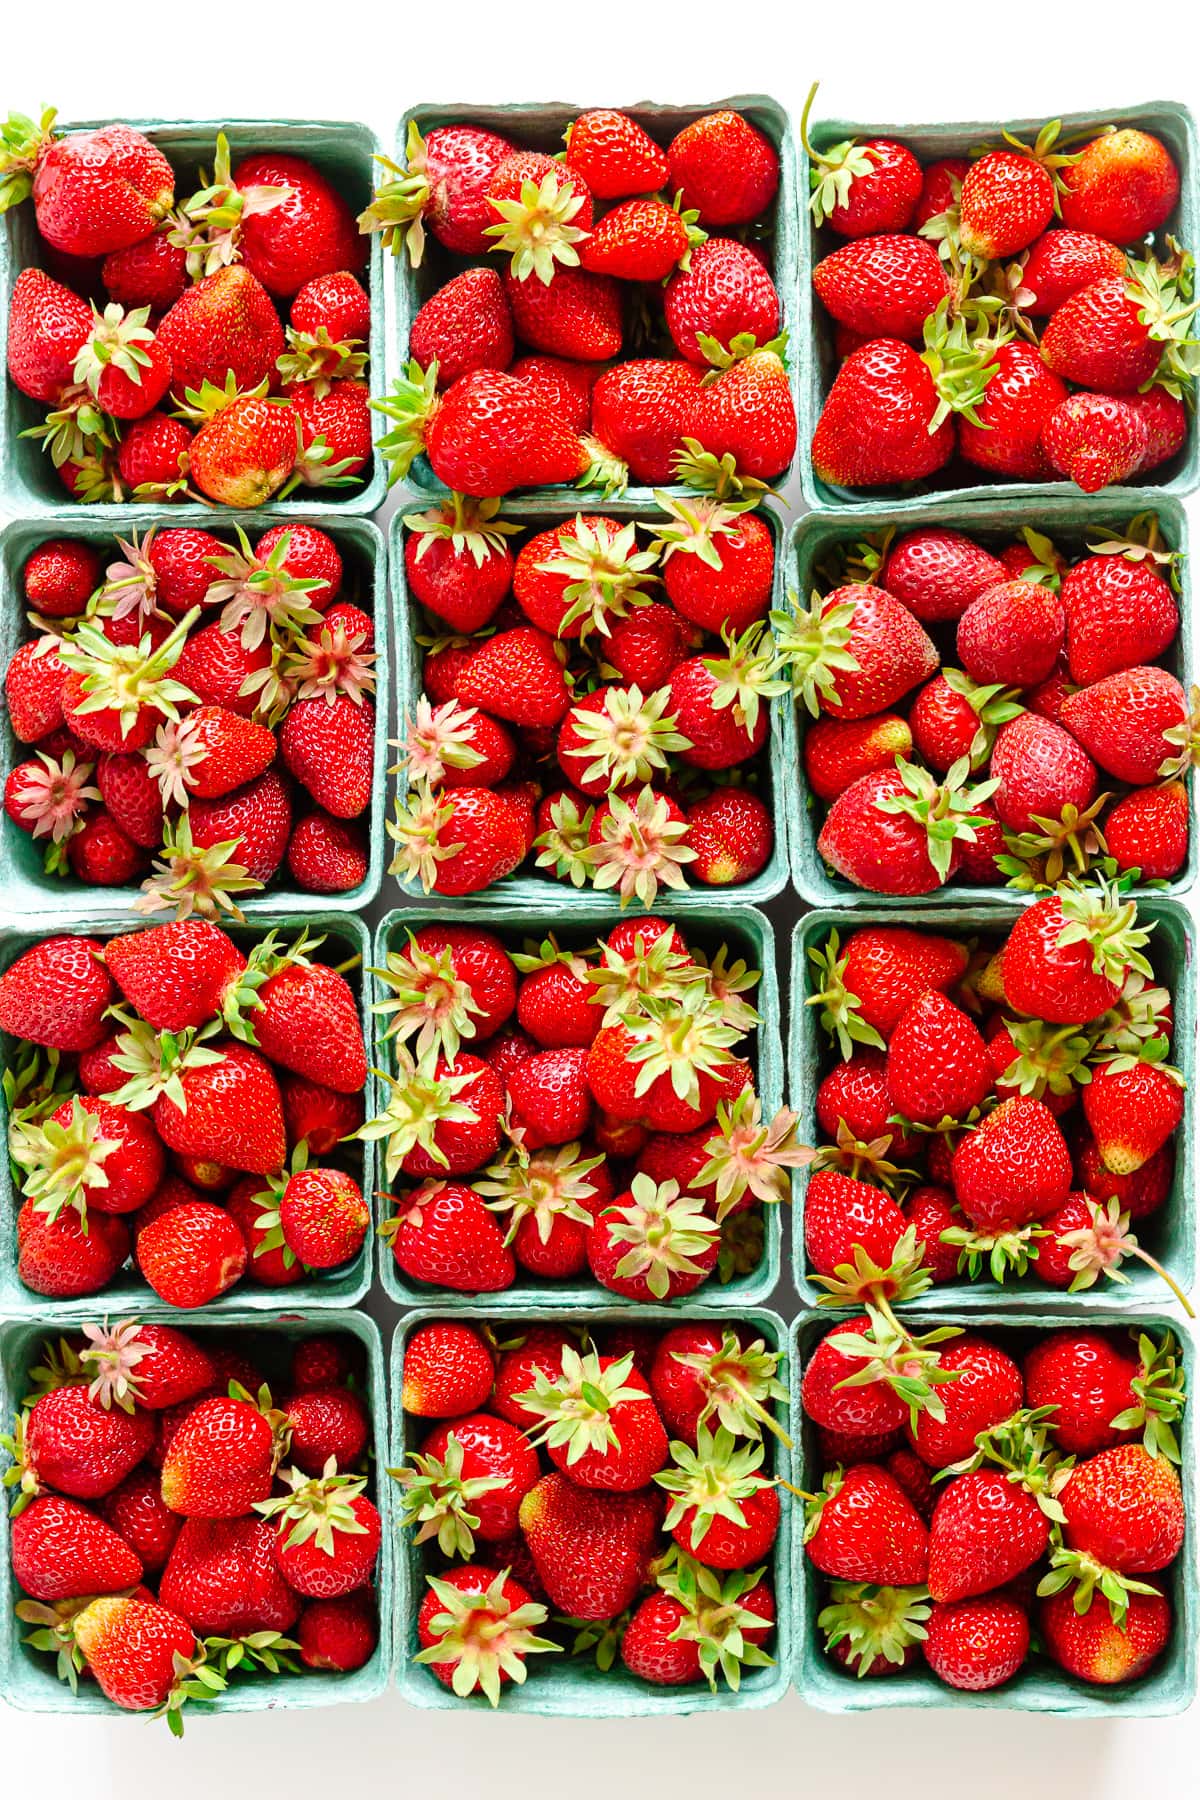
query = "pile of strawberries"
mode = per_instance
[
  {"x": 1060, "y": 745},
  {"x": 169, "y": 677},
  {"x": 562, "y": 1110},
  {"x": 165, "y": 1096},
  {"x": 210, "y": 346},
  {"x": 1021, "y": 312},
  {"x": 597, "y": 700},
  {"x": 603, "y": 315},
  {"x": 607, "y": 1484},
  {"x": 977, "y": 1493},
  {"x": 175, "y": 1530},
  {"x": 998, "y": 1108}
]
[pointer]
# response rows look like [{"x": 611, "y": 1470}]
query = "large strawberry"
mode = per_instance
[{"x": 225, "y": 323}]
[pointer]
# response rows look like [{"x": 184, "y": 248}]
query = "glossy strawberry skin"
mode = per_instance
[
  {"x": 1122, "y": 721},
  {"x": 1060, "y": 263},
  {"x": 1007, "y": 201},
  {"x": 874, "y": 426},
  {"x": 492, "y": 433},
  {"x": 62, "y": 1551},
  {"x": 1016, "y": 403},
  {"x": 451, "y": 1240},
  {"x": 887, "y": 853},
  {"x": 47, "y": 327},
  {"x": 458, "y": 162},
  {"x": 464, "y": 326},
  {"x": 56, "y": 992},
  {"x": 885, "y": 197},
  {"x": 937, "y": 1063},
  {"x": 1097, "y": 340},
  {"x": 1124, "y": 1507},
  {"x": 226, "y": 321},
  {"x": 1096, "y": 440},
  {"x": 1149, "y": 830},
  {"x": 1014, "y": 1169},
  {"x": 936, "y": 572},
  {"x": 884, "y": 286},
  {"x": 223, "y": 1578},
  {"x": 892, "y": 650},
  {"x": 977, "y": 1644},
  {"x": 578, "y": 316},
  {"x": 1119, "y": 614},
  {"x": 837, "y": 752},
  {"x": 870, "y": 1531},
  {"x": 310, "y": 232},
  {"x": 97, "y": 191},
  {"x": 1090, "y": 1647},
  {"x": 840, "y": 1214},
  {"x": 642, "y": 411},
  {"x": 1124, "y": 185},
  {"x": 58, "y": 1259},
  {"x": 727, "y": 169},
  {"x": 723, "y": 293},
  {"x": 1041, "y": 770},
  {"x": 257, "y": 816}
]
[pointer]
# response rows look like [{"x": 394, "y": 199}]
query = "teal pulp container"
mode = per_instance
[
  {"x": 1041, "y": 1686},
  {"x": 563, "y": 1685},
  {"x": 994, "y": 521},
  {"x": 749, "y": 935},
  {"x": 545, "y": 892},
  {"x": 344, "y": 151},
  {"x": 27, "y": 1676},
  {"x": 1166, "y": 119},
  {"x": 1169, "y": 1234},
  {"x": 27, "y": 889},
  {"x": 345, "y": 936},
  {"x": 538, "y": 125}
]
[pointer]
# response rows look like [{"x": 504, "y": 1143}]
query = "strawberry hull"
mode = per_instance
[
  {"x": 1165, "y": 119},
  {"x": 27, "y": 888},
  {"x": 28, "y": 1677},
  {"x": 1168, "y": 1234},
  {"x": 529, "y": 888},
  {"x": 345, "y": 936},
  {"x": 994, "y": 519},
  {"x": 1040, "y": 1686},
  {"x": 539, "y": 125},
  {"x": 572, "y": 1687},
  {"x": 750, "y": 936},
  {"x": 344, "y": 151}
]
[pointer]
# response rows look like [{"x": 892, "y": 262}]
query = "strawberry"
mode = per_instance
[
  {"x": 516, "y": 675},
  {"x": 477, "y": 1628},
  {"x": 724, "y": 293},
  {"x": 1040, "y": 771},
  {"x": 339, "y": 1635},
  {"x": 1132, "y": 1106},
  {"x": 874, "y": 427},
  {"x": 928, "y": 1213},
  {"x": 328, "y": 1536},
  {"x": 1106, "y": 594},
  {"x": 464, "y": 326},
  {"x": 444, "y": 184},
  {"x": 732, "y": 834},
  {"x": 614, "y": 155},
  {"x": 304, "y": 230},
  {"x": 887, "y": 650},
  {"x": 79, "y": 1447},
  {"x": 838, "y": 752},
  {"x": 61, "y": 1551},
  {"x": 718, "y": 563},
  {"x": 861, "y": 187},
  {"x": 747, "y": 411},
  {"x": 937, "y": 1063},
  {"x": 222, "y": 1105},
  {"x": 453, "y": 981},
  {"x": 1096, "y": 440},
  {"x": 1133, "y": 723},
  {"x": 1094, "y": 1378},
  {"x": 225, "y": 324},
  {"x": 591, "y": 1549},
  {"x": 862, "y": 1527},
  {"x": 581, "y": 575},
  {"x": 702, "y": 1484},
  {"x": 577, "y": 316},
  {"x": 89, "y": 1151},
  {"x": 1092, "y": 1647},
  {"x": 643, "y": 411},
  {"x": 1148, "y": 830},
  {"x": 60, "y": 576},
  {"x": 976, "y": 1644},
  {"x": 50, "y": 798},
  {"x": 549, "y": 1097},
  {"x": 543, "y": 208},
  {"x": 305, "y": 1017},
  {"x": 701, "y": 1371},
  {"x": 641, "y": 240},
  {"x": 459, "y": 842},
  {"x": 652, "y": 1243},
  {"x": 326, "y": 1422},
  {"x": 192, "y": 1254},
  {"x": 855, "y": 1093},
  {"x": 333, "y": 428},
  {"x": 898, "y": 831},
  {"x": 139, "y": 1652},
  {"x": 842, "y": 1216},
  {"x": 132, "y": 797},
  {"x": 48, "y": 327},
  {"x": 151, "y": 272},
  {"x": 442, "y": 1115},
  {"x": 1012, "y": 634},
  {"x": 65, "y": 1257},
  {"x": 1005, "y": 435},
  {"x": 327, "y": 856},
  {"x": 256, "y": 817},
  {"x": 448, "y": 1371},
  {"x": 215, "y": 665},
  {"x": 985, "y": 1531},
  {"x": 330, "y": 748},
  {"x": 33, "y": 689},
  {"x": 883, "y": 969},
  {"x": 444, "y": 1235},
  {"x": 457, "y": 561},
  {"x": 941, "y": 185},
  {"x": 1067, "y": 956},
  {"x": 137, "y": 1510},
  {"x": 220, "y": 1461},
  {"x": 565, "y": 387},
  {"x": 245, "y": 446},
  {"x": 336, "y": 303},
  {"x": 323, "y": 1217},
  {"x": 1014, "y": 1168},
  {"x": 101, "y": 855},
  {"x": 986, "y": 1390},
  {"x": 222, "y": 1578},
  {"x": 1123, "y": 185},
  {"x": 883, "y": 286},
  {"x": 652, "y": 1648},
  {"x": 1123, "y": 1509},
  {"x": 539, "y": 1353},
  {"x": 725, "y": 168},
  {"x": 122, "y": 365},
  {"x": 1007, "y": 200},
  {"x": 555, "y": 1001},
  {"x": 1059, "y": 264},
  {"x": 598, "y": 1422},
  {"x": 1099, "y": 337},
  {"x": 56, "y": 993}
]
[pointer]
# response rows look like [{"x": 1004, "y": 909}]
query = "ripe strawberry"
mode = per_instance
[
  {"x": 101, "y": 855},
  {"x": 652, "y": 1647},
  {"x": 336, "y": 303},
  {"x": 614, "y": 155},
  {"x": 444, "y": 1235},
  {"x": 937, "y": 1063},
  {"x": 1006, "y": 435},
  {"x": 328, "y": 1536},
  {"x": 928, "y": 1212},
  {"x": 1088, "y": 1378},
  {"x": 457, "y": 561},
  {"x": 1132, "y": 1107},
  {"x": 863, "y": 1527},
  {"x": 327, "y": 856},
  {"x": 66, "y": 1256},
  {"x": 60, "y": 576},
  {"x": 330, "y": 748},
  {"x": 488, "y": 433},
  {"x": 225, "y": 324},
  {"x": 227, "y": 1111},
  {"x": 323, "y": 1217},
  {"x": 458, "y": 842},
  {"x": 1148, "y": 830},
  {"x": 897, "y": 831},
  {"x": 1059, "y": 264},
  {"x": 444, "y": 185},
  {"x": 724, "y": 293},
  {"x": 516, "y": 676},
  {"x": 326, "y": 1423},
  {"x": 941, "y": 185},
  {"x": 747, "y": 411},
  {"x": 1041, "y": 771},
  {"x": 564, "y": 386},
  {"x": 93, "y": 191},
  {"x": 883, "y": 286},
  {"x": 986, "y": 1389},
  {"x": 1014, "y": 1168},
  {"x": 79, "y": 1447},
  {"x": 1012, "y": 634},
  {"x": 136, "y": 1649},
  {"x": 318, "y": 1116},
  {"x": 1093, "y": 1648},
  {"x": 838, "y": 752},
  {"x": 223, "y": 1579},
  {"x": 976, "y": 1644},
  {"x": 1132, "y": 722},
  {"x": 985, "y": 1531},
  {"x": 339, "y": 1635},
  {"x": 48, "y": 327},
  {"x": 577, "y": 316},
  {"x": 257, "y": 817},
  {"x": 464, "y": 326},
  {"x": 842, "y": 1214},
  {"x": 307, "y": 231},
  {"x": 1111, "y": 596},
  {"x": 1007, "y": 200},
  {"x": 1123, "y": 185},
  {"x": 151, "y": 272},
  {"x": 591, "y": 1549},
  {"x": 641, "y": 240},
  {"x": 549, "y": 1096},
  {"x": 1140, "y": 1194},
  {"x": 137, "y": 1510},
  {"x": 1067, "y": 957},
  {"x": 305, "y": 1018},
  {"x": 61, "y": 1551},
  {"x": 732, "y": 834},
  {"x": 244, "y": 448},
  {"x": 937, "y": 572},
  {"x": 598, "y": 1421},
  {"x": 192, "y": 1254},
  {"x": 33, "y": 689},
  {"x": 727, "y": 169},
  {"x": 652, "y": 1243},
  {"x": 643, "y": 411},
  {"x": 1123, "y": 1508},
  {"x": 580, "y": 575},
  {"x": 153, "y": 459},
  {"x": 56, "y": 993},
  {"x": 555, "y": 1001},
  {"x": 1096, "y": 440},
  {"x": 220, "y": 1460},
  {"x": 1098, "y": 338},
  {"x": 874, "y": 427},
  {"x": 702, "y": 1483},
  {"x": 473, "y": 1605},
  {"x": 448, "y": 1371},
  {"x": 890, "y": 650}
]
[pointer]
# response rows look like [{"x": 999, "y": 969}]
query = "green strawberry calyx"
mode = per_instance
[
  {"x": 20, "y": 1473},
  {"x": 1101, "y": 1247},
  {"x": 1002, "y": 1252},
  {"x": 411, "y": 405},
  {"x": 61, "y": 1162},
  {"x": 543, "y": 1185},
  {"x": 1164, "y": 294},
  {"x": 993, "y": 705},
  {"x": 840, "y": 1007},
  {"x": 268, "y": 1219},
  {"x": 907, "y": 1363},
  {"x": 833, "y": 172},
  {"x": 665, "y": 1231},
  {"x": 865, "y": 1282},
  {"x": 812, "y": 645},
  {"x": 319, "y": 360},
  {"x": 1160, "y": 1395},
  {"x": 437, "y": 738},
  {"x": 438, "y": 1500},
  {"x": 125, "y": 678},
  {"x": 750, "y": 1155},
  {"x": 561, "y": 847},
  {"x": 1142, "y": 1012},
  {"x": 1039, "y": 859},
  {"x": 714, "y": 1618},
  {"x": 625, "y": 983},
  {"x": 604, "y": 571},
  {"x": 575, "y": 1406},
  {"x": 429, "y": 1001},
  {"x": 700, "y": 469},
  {"x": 1107, "y": 922},
  {"x": 678, "y": 1042},
  {"x": 335, "y": 661},
  {"x": 189, "y": 879},
  {"x": 118, "y": 341},
  {"x": 54, "y": 1634},
  {"x": 400, "y": 200},
  {"x": 1048, "y": 1059},
  {"x": 629, "y": 739},
  {"x": 471, "y": 527},
  {"x": 864, "y": 1160},
  {"x": 23, "y": 142},
  {"x": 209, "y": 225},
  {"x": 874, "y": 1622},
  {"x": 748, "y": 674},
  {"x": 416, "y": 828},
  {"x": 960, "y": 351},
  {"x": 257, "y": 595},
  {"x": 1186, "y": 739},
  {"x": 694, "y": 527},
  {"x": 1021, "y": 1446},
  {"x": 155, "y": 1062},
  {"x": 946, "y": 809},
  {"x": 421, "y": 1100},
  {"x": 481, "y": 1636},
  {"x": 1078, "y": 1570},
  {"x": 738, "y": 1382},
  {"x": 316, "y": 1506},
  {"x": 711, "y": 1481},
  {"x": 536, "y": 230},
  {"x": 640, "y": 847}
]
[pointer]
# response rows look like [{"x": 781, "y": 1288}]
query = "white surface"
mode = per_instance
[{"x": 876, "y": 60}]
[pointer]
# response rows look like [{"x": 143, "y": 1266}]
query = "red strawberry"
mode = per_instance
[
  {"x": 56, "y": 993},
  {"x": 445, "y": 1236},
  {"x": 220, "y": 1460},
  {"x": 977, "y": 1644},
  {"x": 137, "y": 1651},
  {"x": 33, "y": 689},
  {"x": 732, "y": 834},
  {"x": 652, "y": 1243},
  {"x": 137, "y": 1510},
  {"x": 1059, "y": 264},
  {"x": 64, "y": 1257},
  {"x": 226, "y": 322},
  {"x": 937, "y": 1063},
  {"x": 308, "y": 230},
  {"x": 223, "y": 1579},
  {"x": 724, "y": 293},
  {"x": 863, "y": 1527},
  {"x": 305, "y": 1017},
  {"x": 101, "y": 855},
  {"x": 614, "y": 154},
  {"x": 598, "y": 1421},
  {"x": 227, "y": 1111},
  {"x": 516, "y": 676},
  {"x": 642, "y": 412},
  {"x": 444, "y": 185},
  {"x": 860, "y": 187},
  {"x": 577, "y": 316},
  {"x": 747, "y": 412},
  {"x": 1093, "y": 1648},
  {"x": 591, "y": 1549},
  {"x": 1012, "y": 634},
  {"x": 464, "y": 326},
  {"x": 327, "y": 856},
  {"x": 1132, "y": 1106},
  {"x": 60, "y": 576},
  {"x": 61, "y": 1551},
  {"x": 471, "y": 1603},
  {"x": 1119, "y": 613},
  {"x": 941, "y": 184},
  {"x": 985, "y": 1531},
  {"x": 1123, "y": 185},
  {"x": 874, "y": 427},
  {"x": 1148, "y": 830},
  {"x": 341, "y": 1634},
  {"x": 79, "y": 1447},
  {"x": 459, "y": 842},
  {"x": 701, "y": 1484},
  {"x": 838, "y": 752},
  {"x": 937, "y": 572},
  {"x": 1123, "y": 1508},
  {"x": 48, "y": 327},
  {"x": 885, "y": 286},
  {"x": 1014, "y": 1168},
  {"x": 986, "y": 1390},
  {"x": 151, "y": 272},
  {"x": 1007, "y": 200},
  {"x": 1097, "y": 440},
  {"x": 891, "y": 653},
  {"x": 841, "y": 1215},
  {"x": 1006, "y": 435},
  {"x": 1041, "y": 771},
  {"x": 1133, "y": 723},
  {"x": 330, "y": 748},
  {"x": 457, "y": 561},
  {"x": 1098, "y": 338},
  {"x": 897, "y": 831},
  {"x": 1067, "y": 957},
  {"x": 448, "y": 1371},
  {"x": 191, "y": 1254},
  {"x": 95, "y": 191},
  {"x": 564, "y": 386},
  {"x": 244, "y": 448},
  {"x": 489, "y": 433},
  {"x": 725, "y": 167},
  {"x": 640, "y": 240}
]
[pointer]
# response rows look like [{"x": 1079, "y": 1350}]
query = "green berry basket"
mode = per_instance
[
  {"x": 345, "y": 936},
  {"x": 538, "y": 125},
  {"x": 1040, "y": 1686},
  {"x": 995, "y": 519},
  {"x": 28, "y": 890},
  {"x": 27, "y": 1676},
  {"x": 1169, "y": 1234},
  {"x": 545, "y": 893},
  {"x": 344, "y": 151},
  {"x": 1166, "y": 119},
  {"x": 750, "y": 936},
  {"x": 566, "y": 1686}
]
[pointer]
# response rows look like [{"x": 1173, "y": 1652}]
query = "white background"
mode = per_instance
[{"x": 370, "y": 61}]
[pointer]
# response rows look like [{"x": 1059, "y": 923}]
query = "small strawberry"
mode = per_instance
[
  {"x": 457, "y": 561},
  {"x": 60, "y": 576},
  {"x": 220, "y": 1461},
  {"x": 883, "y": 286},
  {"x": 34, "y": 685},
  {"x": 614, "y": 154},
  {"x": 1005, "y": 435},
  {"x": 642, "y": 240},
  {"x": 339, "y": 1635},
  {"x": 443, "y": 184},
  {"x": 1148, "y": 830},
  {"x": 838, "y": 752},
  {"x": 1059, "y": 264},
  {"x": 191, "y": 1254},
  {"x": 1009, "y": 197},
  {"x": 861, "y": 187},
  {"x": 1096, "y": 440},
  {"x": 448, "y": 1371},
  {"x": 1092, "y": 1647},
  {"x": 477, "y": 1627},
  {"x": 327, "y": 856},
  {"x": 328, "y": 1536},
  {"x": 724, "y": 293},
  {"x": 444, "y": 1235},
  {"x": 862, "y": 1526},
  {"x": 56, "y": 993},
  {"x": 1133, "y": 1105},
  {"x": 976, "y": 1644},
  {"x": 464, "y": 326},
  {"x": 937, "y": 1063},
  {"x": 1012, "y": 634},
  {"x": 65, "y": 1257},
  {"x": 854, "y": 652},
  {"x": 1134, "y": 723},
  {"x": 1013, "y": 1168},
  {"x": 732, "y": 834}
]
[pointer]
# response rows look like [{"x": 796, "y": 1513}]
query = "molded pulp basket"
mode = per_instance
[
  {"x": 995, "y": 520},
  {"x": 27, "y": 1676},
  {"x": 26, "y": 887},
  {"x": 539, "y": 125},
  {"x": 344, "y": 151},
  {"x": 1169, "y": 1234},
  {"x": 1166, "y": 119},
  {"x": 1041, "y": 1686},
  {"x": 344, "y": 936},
  {"x": 750, "y": 936},
  {"x": 543, "y": 892},
  {"x": 572, "y": 1687}
]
